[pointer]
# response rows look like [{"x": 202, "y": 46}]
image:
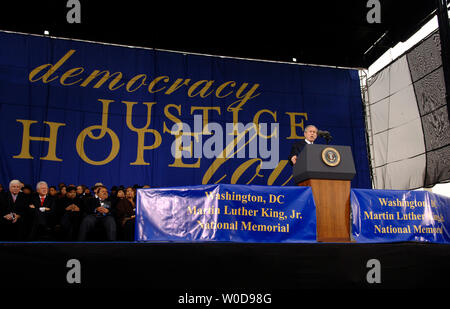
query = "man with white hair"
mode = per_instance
[
  {"x": 43, "y": 213},
  {"x": 11, "y": 212}
]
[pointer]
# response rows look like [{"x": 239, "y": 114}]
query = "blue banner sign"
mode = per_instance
[
  {"x": 80, "y": 112},
  {"x": 393, "y": 215},
  {"x": 224, "y": 212}
]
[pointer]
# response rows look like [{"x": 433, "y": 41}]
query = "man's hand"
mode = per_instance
[
  {"x": 9, "y": 217},
  {"x": 102, "y": 210},
  {"x": 72, "y": 207},
  {"x": 12, "y": 217},
  {"x": 16, "y": 217},
  {"x": 294, "y": 159}
]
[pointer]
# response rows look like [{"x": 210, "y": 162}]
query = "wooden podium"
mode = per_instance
[{"x": 328, "y": 170}]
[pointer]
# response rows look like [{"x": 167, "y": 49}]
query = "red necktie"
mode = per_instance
[{"x": 42, "y": 200}]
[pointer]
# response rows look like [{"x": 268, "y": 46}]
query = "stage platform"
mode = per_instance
[{"x": 188, "y": 266}]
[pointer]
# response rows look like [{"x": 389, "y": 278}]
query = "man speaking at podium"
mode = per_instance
[{"x": 310, "y": 136}]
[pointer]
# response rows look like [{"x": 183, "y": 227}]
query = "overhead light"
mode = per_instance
[
  {"x": 46, "y": 32},
  {"x": 294, "y": 59}
]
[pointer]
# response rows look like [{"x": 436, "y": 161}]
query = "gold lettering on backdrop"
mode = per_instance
[
  {"x": 243, "y": 97},
  {"x": 222, "y": 87},
  {"x": 132, "y": 81},
  {"x": 227, "y": 153},
  {"x": 205, "y": 110},
  {"x": 235, "y": 113},
  {"x": 71, "y": 73},
  {"x": 176, "y": 85},
  {"x": 142, "y": 131},
  {"x": 172, "y": 117},
  {"x": 256, "y": 122},
  {"x": 105, "y": 77},
  {"x": 103, "y": 130},
  {"x": 155, "y": 81},
  {"x": 26, "y": 139},
  {"x": 202, "y": 88},
  {"x": 212, "y": 170},
  {"x": 179, "y": 122},
  {"x": 295, "y": 125},
  {"x": 243, "y": 167},
  {"x": 203, "y": 93},
  {"x": 276, "y": 172},
  {"x": 178, "y": 162},
  {"x": 53, "y": 68},
  {"x": 235, "y": 107},
  {"x": 237, "y": 94}
]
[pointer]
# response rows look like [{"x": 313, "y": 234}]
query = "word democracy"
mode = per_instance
[{"x": 202, "y": 88}]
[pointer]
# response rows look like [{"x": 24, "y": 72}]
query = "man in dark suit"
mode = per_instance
[
  {"x": 12, "y": 208},
  {"x": 98, "y": 211},
  {"x": 69, "y": 211},
  {"x": 42, "y": 211},
  {"x": 310, "y": 136}
]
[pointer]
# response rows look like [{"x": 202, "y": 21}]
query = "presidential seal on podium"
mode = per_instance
[{"x": 330, "y": 156}]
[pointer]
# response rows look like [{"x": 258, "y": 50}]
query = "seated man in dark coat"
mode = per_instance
[
  {"x": 126, "y": 215},
  {"x": 98, "y": 211},
  {"x": 43, "y": 212},
  {"x": 69, "y": 211},
  {"x": 310, "y": 136},
  {"x": 12, "y": 208}
]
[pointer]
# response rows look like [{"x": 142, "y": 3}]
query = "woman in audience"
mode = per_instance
[{"x": 126, "y": 214}]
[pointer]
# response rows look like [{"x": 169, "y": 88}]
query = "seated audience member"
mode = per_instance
[
  {"x": 69, "y": 212},
  {"x": 113, "y": 198},
  {"x": 95, "y": 189},
  {"x": 80, "y": 190},
  {"x": 113, "y": 192},
  {"x": 27, "y": 190},
  {"x": 43, "y": 213},
  {"x": 98, "y": 211},
  {"x": 126, "y": 214},
  {"x": 12, "y": 209},
  {"x": 62, "y": 192},
  {"x": 120, "y": 195},
  {"x": 52, "y": 191},
  {"x": 83, "y": 192},
  {"x": 87, "y": 192}
]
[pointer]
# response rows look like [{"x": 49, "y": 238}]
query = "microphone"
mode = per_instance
[{"x": 325, "y": 134}]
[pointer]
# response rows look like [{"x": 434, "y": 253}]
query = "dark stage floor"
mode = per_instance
[{"x": 225, "y": 266}]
